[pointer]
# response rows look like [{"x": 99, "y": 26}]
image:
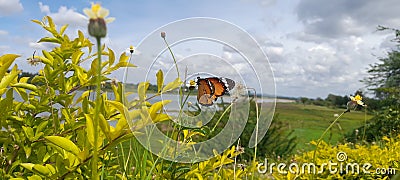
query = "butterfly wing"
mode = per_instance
[
  {"x": 218, "y": 87},
  {"x": 229, "y": 83},
  {"x": 204, "y": 92}
]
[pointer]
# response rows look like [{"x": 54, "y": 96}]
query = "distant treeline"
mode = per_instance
[{"x": 337, "y": 101}]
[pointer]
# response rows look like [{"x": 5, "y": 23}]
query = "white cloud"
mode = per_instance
[
  {"x": 65, "y": 15},
  {"x": 8, "y": 7},
  {"x": 45, "y": 46},
  {"x": 4, "y": 48},
  {"x": 44, "y": 8},
  {"x": 3, "y": 33}
]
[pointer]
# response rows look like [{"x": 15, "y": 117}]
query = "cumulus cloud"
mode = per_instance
[
  {"x": 64, "y": 15},
  {"x": 335, "y": 19},
  {"x": 2, "y": 32},
  {"x": 8, "y": 7}
]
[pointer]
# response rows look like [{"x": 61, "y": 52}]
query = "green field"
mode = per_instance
[{"x": 310, "y": 121}]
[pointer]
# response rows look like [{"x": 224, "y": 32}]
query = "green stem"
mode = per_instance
[
  {"x": 220, "y": 118},
  {"x": 173, "y": 57},
  {"x": 177, "y": 70},
  {"x": 365, "y": 124},
  {"x": 97, "y": 110},
  {"x": 256, "y": 138},
  {"x": 323, "y": 134}
]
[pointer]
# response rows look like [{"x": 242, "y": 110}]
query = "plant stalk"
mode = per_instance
[{"x": 97, "y": 110}]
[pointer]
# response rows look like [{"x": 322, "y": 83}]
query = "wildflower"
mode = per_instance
[
  {"x": 240, "y": 149},
  {"x": 357, "y": 99},
  {"x": 33, "y": 61},
  {"x": 163, "y": 35},
  {"x": 114, "y": 82},
  {"x": 192, "y": 84},
  {"x": 242, "y": 166},
  {"x": 354, "y": 101},
  {"x": 97, "y": 24},
  {"x": 190, "y": 104}
]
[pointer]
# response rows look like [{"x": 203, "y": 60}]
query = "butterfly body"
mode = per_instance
[{"x": 209, "y": 89}]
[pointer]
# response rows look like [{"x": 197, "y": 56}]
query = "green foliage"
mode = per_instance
[
  {"x": 278, "y": 141},
  {"x": 384, "y": 155},
  {"x": 384, "y": 81},
  {"x": 48, "y": 134},
  {"x": 385, "y": 123}
]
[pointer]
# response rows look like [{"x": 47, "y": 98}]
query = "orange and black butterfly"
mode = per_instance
[{"x": 209, "y": 89}]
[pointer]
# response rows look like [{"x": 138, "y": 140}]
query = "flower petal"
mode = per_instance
[
  {"x": 103, "y": 12},
  {"x": 359, "y": 102},
  {"x": 89, "y": 13},
  {"x": 109, "y": 20}
]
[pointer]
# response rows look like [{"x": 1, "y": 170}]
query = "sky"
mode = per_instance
[{"x": 313, "y": 47}]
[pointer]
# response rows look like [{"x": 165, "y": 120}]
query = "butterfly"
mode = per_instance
[{"x": 209, "y": 89}]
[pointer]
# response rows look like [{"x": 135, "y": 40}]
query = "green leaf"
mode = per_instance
[
  {"x": 28, "y": 151},
  {"x": 28, "y": 166},
  {"x": 160, "y": 80},
  {"x": 104, "y": 126},
  {"x": 63, "y": 28},
  {"x": 6, "y": 80},
  {"x": 5, "y": 62},
  {"x": 49, "y": 39},
  {"x": 123, "y": 58},
  {"x": 67, "y": 115},
  {"x": 76, "y": 56},
  {"x": 64, "y": 143},
  {"x": 111, "y": 57},
  {"x": 41, "y": 169},
  {"x": 90, "y": 129},
  {"x": 142, "y": 88},
  {"x": 25, "y": 86},
  {"x": 28, "y": 132},
  {"x": 156, "y": 107},
  {"x": 161, "y": 117},
  {"x": 33, "y": 177},
  {"x": 119, "y": 106},
  {"x": 37, "y": 22},
  {"x": 48, "y": 55},
  {"x": 172, "y": 85}
]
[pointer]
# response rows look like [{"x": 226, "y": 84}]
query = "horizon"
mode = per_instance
[{"x": 314, "y": 50}]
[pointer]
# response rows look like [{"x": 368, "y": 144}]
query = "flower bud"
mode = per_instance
[
  {"x": 97, "y": 28},
  {"x": 163, "y": 35}
]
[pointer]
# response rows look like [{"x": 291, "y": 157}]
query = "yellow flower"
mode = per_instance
[
  {"x": 192, "y": 83},
  {"x": 357, "y": 99},
  {"x": 98, "y": 12},
  {"x": 97, "y": 23},
  {"x": 131, "y": 49}
]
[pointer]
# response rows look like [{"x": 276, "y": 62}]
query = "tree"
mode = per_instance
[
  {"x": 384, "y": 81},
  {"x": 303, "y": 100},
  {"x": 384, "y": 77}
]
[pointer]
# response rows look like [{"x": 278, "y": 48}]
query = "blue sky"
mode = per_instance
[{"x": 314, "y": 47}]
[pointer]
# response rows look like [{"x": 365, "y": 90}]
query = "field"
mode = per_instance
[{"x": 310, "y": 121}]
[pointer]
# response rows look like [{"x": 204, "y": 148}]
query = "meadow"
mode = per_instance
[
  {"x": 310, "y": 121},
  {"x": 57, "y": 128}
]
